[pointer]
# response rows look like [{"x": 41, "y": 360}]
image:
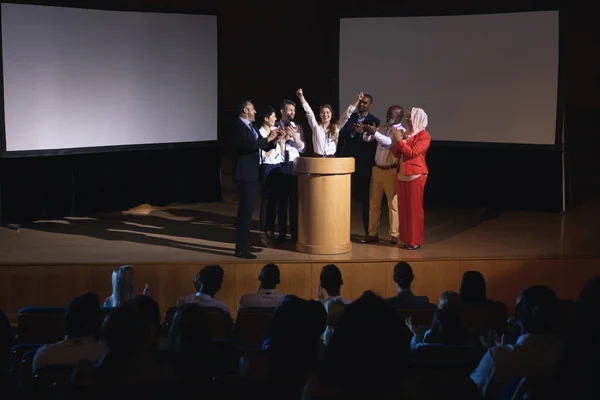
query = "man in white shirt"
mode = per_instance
[
  {"x": 294, "y": 146},
  {"x": 82, "y": 322},
  {"x": 266, "y": 296},
  {"x": 383, "y": 178},
  {"x": 537, "y": 351},
  {"x": 207, "y": 283}
]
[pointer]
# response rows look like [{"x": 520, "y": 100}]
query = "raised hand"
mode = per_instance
[
  {"x": 358, "y": 128},
  {"x": 274, "y": 134},
  {"x": 320, "y": 294},
  {"x": 291, "y": 131},
  {"x": 299, "y": 93},
  {"x": 371, "y": 129},
  {"x": 398, "y": 134}
]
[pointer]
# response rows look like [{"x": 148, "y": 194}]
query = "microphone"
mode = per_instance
[{"x": 292, "y": 124}]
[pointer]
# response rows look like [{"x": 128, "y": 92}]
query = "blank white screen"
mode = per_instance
[
  {"x": 77, "y": 78},
  {"x": 480, "y": 78}
]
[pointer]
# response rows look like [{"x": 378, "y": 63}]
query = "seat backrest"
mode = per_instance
[
  {"x": 483, "y": 319},
  {"x": 46, "y": 376},
  {"x": 252, "y": 328},
  {"x": 18, "y": 351},
  {"x": 420, "y": 317},
  {"x": 25, "y": 371},
  {"x": 41, "y": 324},
  {"x": 219, "y": 322},
  {"x": 7, "y": 340}
]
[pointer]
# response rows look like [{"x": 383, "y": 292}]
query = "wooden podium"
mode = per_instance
[{"x": 324, "y": 204}]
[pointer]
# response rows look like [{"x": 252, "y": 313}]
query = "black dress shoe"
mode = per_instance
[
  {"x": 245, "y": 254},
  {"x": 255, "y": 249}
]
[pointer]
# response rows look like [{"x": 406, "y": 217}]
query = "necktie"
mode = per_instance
[{"x": 253, "y": 131}]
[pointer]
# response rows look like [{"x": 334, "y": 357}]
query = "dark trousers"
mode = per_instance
[
  {"x": 270, "y": 175},
  {"x": 361, "y": 187},
  {"x": 247, "y": 196},
  {"x": 288, "y": 196}
]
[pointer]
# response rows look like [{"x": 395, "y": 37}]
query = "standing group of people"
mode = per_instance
[{"x": 390, "y": 161}]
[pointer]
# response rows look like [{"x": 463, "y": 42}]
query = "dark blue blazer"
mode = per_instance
[
  {"x": 246, "y": 152},
  {"x": 363, "y": 152}
]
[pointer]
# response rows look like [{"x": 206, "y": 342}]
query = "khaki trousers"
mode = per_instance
[{"x": 383, "y": 182}]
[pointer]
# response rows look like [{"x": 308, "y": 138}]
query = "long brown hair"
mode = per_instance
[{"x": 332, "y": 131}]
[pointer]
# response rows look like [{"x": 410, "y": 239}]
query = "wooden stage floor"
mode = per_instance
[{"x": 49, "y": 262}]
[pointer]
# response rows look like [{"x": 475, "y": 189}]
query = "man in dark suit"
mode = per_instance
[
  {"x": 246, "y": 145},
  {"x": 405, "y": 299},
  {"x": 351, "y": 144}
]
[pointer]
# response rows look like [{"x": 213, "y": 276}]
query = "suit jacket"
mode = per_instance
[
  {"x": 413, "y": 152},
  {"x": 246, "y": 152},
  {"x": 406, "y": 300},
  {"x": 363, "y": 152}
]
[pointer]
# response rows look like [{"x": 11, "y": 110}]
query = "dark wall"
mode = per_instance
[{"x": 268, "y": 50}]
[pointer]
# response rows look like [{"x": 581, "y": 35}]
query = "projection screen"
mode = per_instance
[
  {"x": 82, "y": 78},
  {"x": 481, "y": 78}
]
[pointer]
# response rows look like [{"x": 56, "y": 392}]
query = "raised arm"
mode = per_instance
[
  {"x": 310, "y": 115},
  {"x": 345, "y": 116},
  {"x": 372, "y": 132}
]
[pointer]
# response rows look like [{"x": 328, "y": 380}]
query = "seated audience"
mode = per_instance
[
  {"x": 82, "y": 319},
  {"x": 473, "y": 292},
  {"x": 192, "y": 350},
  {"x": 335, "y": 309},
  {"x": 446, "y": 327},
  {"x": 365, "y": 359},
  {"x": 405, "y": 299},
  {"x": 295, "y": 344},
  {"x": 581, "y": 355},
  {"x": 207, "y": 283},
  {"x": 537, "y": 351},
  {"x": 123, "y": 286},
  {"x": 132, "y": 355},
  {"x": 331, "y": 282},
  {"x": 266, "y": 296}
]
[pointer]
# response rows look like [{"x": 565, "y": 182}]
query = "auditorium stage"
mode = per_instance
[{"x": 49, "y": 262}]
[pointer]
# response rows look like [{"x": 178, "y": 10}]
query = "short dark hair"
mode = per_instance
[
  {"x": 368, "y": 96},
  {"x": 269, "y": 276},
  {"x": 286, "y": 102},
  {"x": 403, "y": 275},
  {"x": 266, "y": 112},
  {"x": 243, "y": 105},
  {"x": 83, "y": 315},
  {"x": 211, "y": 276},
  {"x": 331, "y": 278},
  {"x": 538, "y": 310},
  {"x": 397, "y": 107}
]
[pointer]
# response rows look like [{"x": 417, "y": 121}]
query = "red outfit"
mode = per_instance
[{"x": 410, "y": 193}]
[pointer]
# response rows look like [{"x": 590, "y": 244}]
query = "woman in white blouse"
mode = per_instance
[{"x": 326, "y": 133}]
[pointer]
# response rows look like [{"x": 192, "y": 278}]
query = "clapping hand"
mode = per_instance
[
  {"x": 412, "y": 326},
  {"x": 398, "y": 134},
  {"x": 359, "y": 128},
  {"x": 275, "y": 134},
  {"x": 371, "y": 129},
  {"x": 291, "y": 131}
]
